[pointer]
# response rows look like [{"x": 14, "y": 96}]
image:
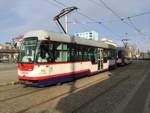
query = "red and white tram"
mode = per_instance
[{"x": 48, "y": 58}]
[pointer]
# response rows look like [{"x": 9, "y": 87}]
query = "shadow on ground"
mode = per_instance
[{"x": 77, "y": 100}]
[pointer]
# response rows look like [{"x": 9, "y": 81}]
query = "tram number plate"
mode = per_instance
[{"x": 23, "y": 72}]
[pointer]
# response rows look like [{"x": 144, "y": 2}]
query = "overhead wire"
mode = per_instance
[
  {"x": 104, "y": 26},
  {"x": 123, "y": 18},
  {"x": 118, "y": 16},
  {"x": 62, "y": 6},
  {"x": 89, "y": 18},
  {"x": 130, "y": 24},
  {"x": 135, "y": 27},
  {"x": 140, "y": 14},
  {"x": 77, "y": 22},
  {"x": 100, "y": 22},
  {"x": 56, "y": 5},
  {"x": 60, "y": 3}
]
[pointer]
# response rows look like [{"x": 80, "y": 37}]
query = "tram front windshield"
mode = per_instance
[{"x": 28, "y": 50}]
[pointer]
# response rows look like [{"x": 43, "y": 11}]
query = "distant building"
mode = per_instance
[
  {"x": 108, "y": 41},
  {"x": 6, "y": 46},
  {"x": 92, "y": 35},
  {"x": 10, "y": 50},
  {"x": 8, "y": 53},
  {"x": 145, "y": 55}
]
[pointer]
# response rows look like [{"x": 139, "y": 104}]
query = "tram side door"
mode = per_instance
[{"x": 100, "y": 59}]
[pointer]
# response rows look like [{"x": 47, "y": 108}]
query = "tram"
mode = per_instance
[
  {"x": 48, "y": 58},
  {"x": 122, "y": 57}
]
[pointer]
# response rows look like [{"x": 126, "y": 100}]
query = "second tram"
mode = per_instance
[{"x": 122, "y": 56}]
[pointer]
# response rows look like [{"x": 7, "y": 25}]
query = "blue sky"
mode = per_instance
[{"x": 19, "y": 16}]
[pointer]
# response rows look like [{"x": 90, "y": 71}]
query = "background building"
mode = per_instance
[
  {"x": 9, "y": 51},
  {"x": 108, "y": 41},
  {"x": 92, "y": 35},
  {"x": 145, "y": 55}
]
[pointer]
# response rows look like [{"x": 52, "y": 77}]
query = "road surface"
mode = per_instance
[{"x": 127, "y": 90}]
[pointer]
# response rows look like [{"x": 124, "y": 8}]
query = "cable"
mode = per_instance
[
  {"x": 91, "y": 19},
  {"x": 60, "y": 3},
  {"x": 58, "y": 6},
  {"x": 62, "y": 6},
  {"x": 77, "y": 22},
  {"x": 118, "y": 16},
  {"x": 123, "y": 18},
  {"x": 99, "y": 22},
  {"x": 107, "y": 7},
  {"x": 140, "y": 14},
  {"x": 139, "y": 31},
  {"x": 104, "y": 26}
]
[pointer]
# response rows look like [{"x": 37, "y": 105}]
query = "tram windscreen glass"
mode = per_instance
[{"x": 28, "y": 49}]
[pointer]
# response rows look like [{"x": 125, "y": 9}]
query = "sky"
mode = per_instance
[{"x": 104, "y": 16}]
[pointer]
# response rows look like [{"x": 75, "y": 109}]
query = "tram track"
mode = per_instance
[
  {"x": 59, "y": 96},
  {"x": 34, "y": 91},
  {"x": 31, "y": 92},
  {"x": 38, "y": 90},
  {"x": 86, "y": 85},
  {"x": 24, "y": 94},
  {"x": 9, "y": 89},
  {"x": 68, "y": 92},
  {"x": 53, "y": 98},
  {"x": 9, "y": 83},
  {"x": 100, "y": 94},
  {"x": 84, "y": 105}
]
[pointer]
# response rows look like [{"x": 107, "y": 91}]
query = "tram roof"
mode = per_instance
[{"x": 59, "y": 37}]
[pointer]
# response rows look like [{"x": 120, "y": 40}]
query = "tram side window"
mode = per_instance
[
  {"x": 61, "y": 52},
  {"x": 44, "y": 53},
  {"x": 105, "y": 54},
  {"x": 79, "y": 53},
  {"x": 92, "y": 55},
  {"x": 73, "y": 52},
  {"x": 85, "y": 55},
  {"x": 111, "y": 54}
]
